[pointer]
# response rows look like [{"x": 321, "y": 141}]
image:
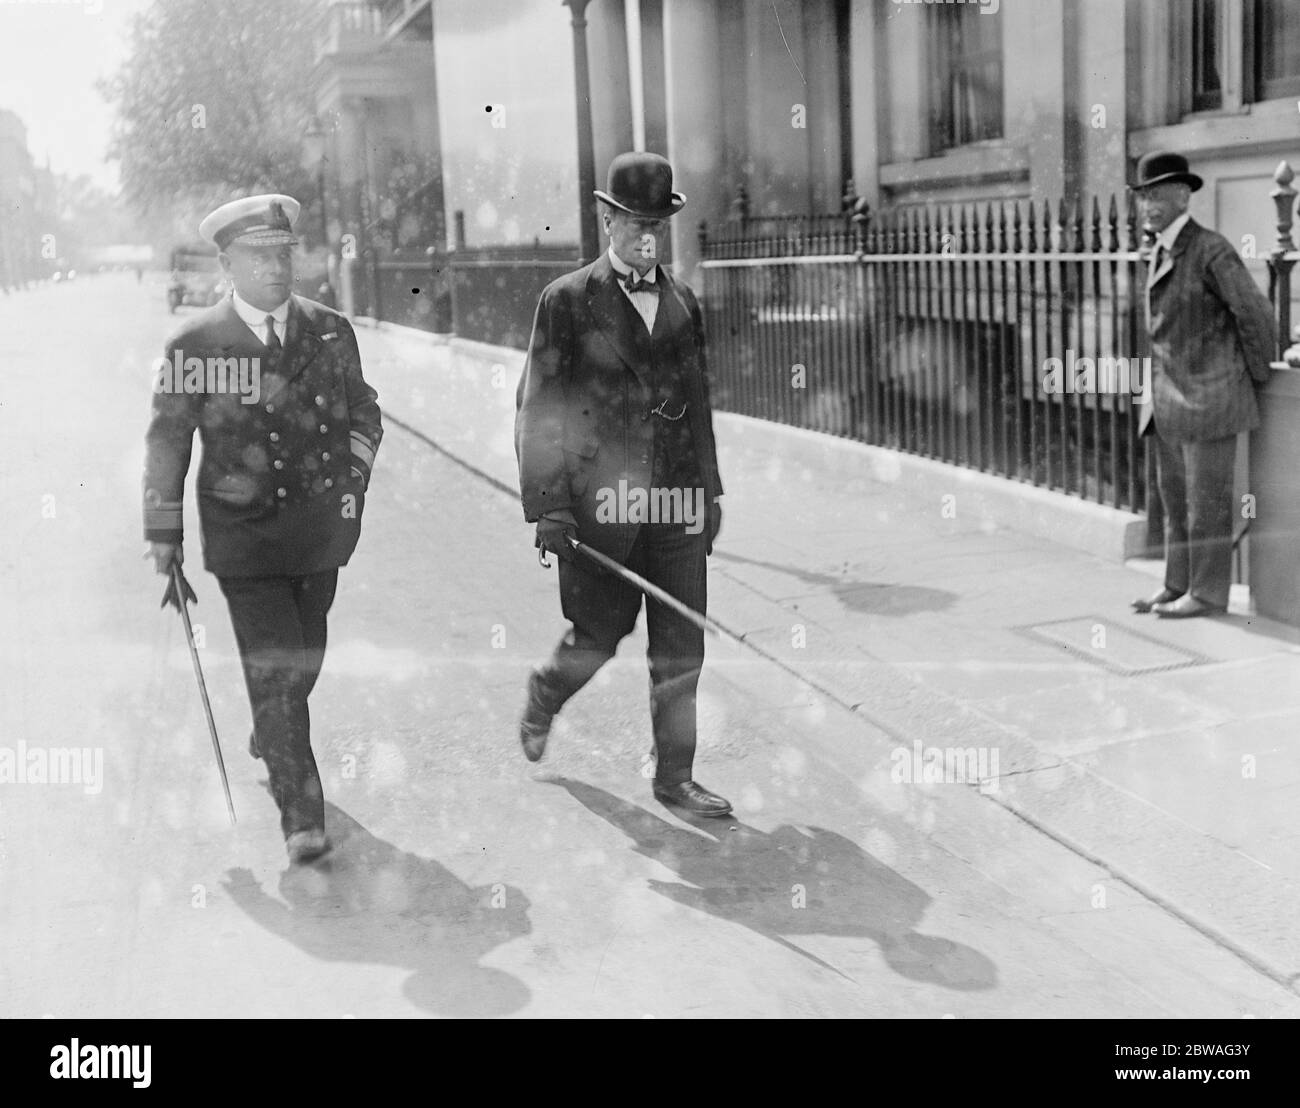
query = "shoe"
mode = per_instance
[
  {"x": 253, "y": 752},
  {"x": 693, "y": 798},
  {"x": 1147, "y": 603},
  {"x": 534, "y": 730},
  {"x": 1187, "y": 607},
  {"x": 307, "y": 846}
]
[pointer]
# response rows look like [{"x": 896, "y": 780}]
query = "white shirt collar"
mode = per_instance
[
  {"x": 623, "y": 269},
  {"x": 1169, "y": 235},
  {"x": 255, "y": 317}
]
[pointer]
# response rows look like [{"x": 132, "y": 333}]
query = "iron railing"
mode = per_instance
[
  {"x": 494, "y": 290},
  {"x": 931, "y": 331},
  {"x": 414, "y": 292}
]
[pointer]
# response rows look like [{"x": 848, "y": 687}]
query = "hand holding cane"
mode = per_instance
[{"x": 179, "y": 594}]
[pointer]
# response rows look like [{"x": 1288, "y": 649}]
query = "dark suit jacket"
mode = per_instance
[
  {"x": 581, "y": 421},
  {"x": 276, "y": 491},
  {"x": 1211, "y": 338}
]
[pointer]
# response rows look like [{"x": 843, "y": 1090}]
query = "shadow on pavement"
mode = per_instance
[
  {"x": 749, "y": 877},
  {"x": 874, "y": 598},
  {"x": 369, "y": 902}
]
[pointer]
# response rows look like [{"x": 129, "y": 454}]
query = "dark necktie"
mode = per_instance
[
  {"x": 634, "y": 284},
  {"x": 1157, "y": 260},
  {"x": 272, "y": 339}
]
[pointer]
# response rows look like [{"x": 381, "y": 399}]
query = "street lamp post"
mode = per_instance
[
  {"x": 586, "y": 144},
  {"x": 313, "y": 144}
]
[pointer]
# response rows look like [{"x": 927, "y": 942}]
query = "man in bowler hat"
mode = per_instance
[
  {"x": 1211, "y": 343},
  {"x": 281, "y": 485},
  {"x": 614, "y": 438}
]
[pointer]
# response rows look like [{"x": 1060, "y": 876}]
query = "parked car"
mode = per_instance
[{"x": 196, "y": 276}]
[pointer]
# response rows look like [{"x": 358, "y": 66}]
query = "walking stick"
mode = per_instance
[
  {"x": 653, "y": 591},
  {"x": 180, "y": 594}
]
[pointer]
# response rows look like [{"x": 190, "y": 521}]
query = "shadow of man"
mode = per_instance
[
  {"x": 793, "y": 882},
  {"x": 873, "y": 597},
  {"x": 370, "y": 902}
]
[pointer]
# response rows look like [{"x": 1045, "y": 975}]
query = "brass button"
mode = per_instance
[
  {"x": 323, "y": 428},
  {"x": 325, "y": 457},
  {"x": 320, "y": 401},
  {"x": 270, "y": 407},
  {"x": 281, "y": 493},
  {"x": 279, "y": 464},
  {"x": 275, "y": 436},
  {"x": 329, "y": 482}
]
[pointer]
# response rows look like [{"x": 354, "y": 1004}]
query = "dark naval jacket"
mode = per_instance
[
  {"x": 592, "y": 377},
  {"x": 281, "y": 437}
]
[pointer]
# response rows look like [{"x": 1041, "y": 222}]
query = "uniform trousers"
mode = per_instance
[
  {"x": 603, "y": 610},
  {"x": 280, "y": 628}
]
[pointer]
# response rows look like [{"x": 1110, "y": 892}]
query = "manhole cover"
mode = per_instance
[{"x": 1117, "y": 649}]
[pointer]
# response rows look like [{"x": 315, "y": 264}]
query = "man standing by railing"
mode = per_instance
[
  {"x": 1211, "y": 342},
  {"x": 614, "y": 436}
]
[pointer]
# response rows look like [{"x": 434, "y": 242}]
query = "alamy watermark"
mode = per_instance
[
  {"x": 56, "y": 765},
  {"x": 986, "y": 7},
  {"x": 1097, "y": 377},
  {"x": 653, "y": 505},
  {"x": 240, "y": 377},
  {"x": 945, "y": 765}
]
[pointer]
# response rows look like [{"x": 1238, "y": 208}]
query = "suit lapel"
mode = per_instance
[
  {"x": 232, "y": 336},
  {"x": 675, "y": 318},
  {"x": 616, "y": 319},
  {"x": 672, "y": 320},
  {"x": 1181, "y": 243}
]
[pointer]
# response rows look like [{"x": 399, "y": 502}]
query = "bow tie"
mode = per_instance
[{"x": 639, "y": 284}]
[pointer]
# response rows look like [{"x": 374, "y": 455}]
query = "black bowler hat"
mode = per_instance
[
  {"x": 1154, "y": 169},
  {"x": 642, "y": 184}
]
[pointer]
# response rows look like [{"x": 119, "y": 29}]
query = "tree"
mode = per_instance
[{"x": 212, "y": 102}]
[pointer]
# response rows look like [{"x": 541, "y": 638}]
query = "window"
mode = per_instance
[
  {"x": 1266, "y": 65},
  {"x": 1207, "y": 91},
  {"x": 966, "y": 86},
  {"x": 1277, "y": 49}
]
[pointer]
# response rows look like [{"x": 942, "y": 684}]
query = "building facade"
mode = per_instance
[{"x": 26, "y": 201}]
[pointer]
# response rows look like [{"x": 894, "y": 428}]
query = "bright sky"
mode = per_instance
[{"x": 51, "y": 52}]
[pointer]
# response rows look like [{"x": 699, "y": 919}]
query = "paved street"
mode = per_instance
[{"x": 468, "y": 882}]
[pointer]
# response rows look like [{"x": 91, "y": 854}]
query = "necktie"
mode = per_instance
[
  {"x": 634, "y": 284},
  {"x": 1157, "y": 259},
  {"x": 272, "y": 339}
]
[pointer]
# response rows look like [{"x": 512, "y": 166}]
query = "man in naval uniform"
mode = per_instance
[
  {"x": 614, "y": 438},
  {"x": 273, "y": 384}
]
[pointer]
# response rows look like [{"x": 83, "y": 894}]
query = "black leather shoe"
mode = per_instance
[
  {"x": 1148, "y": 603},
  {"x": 253, "y": 752},
  {"x": 534, "y": 730},
  {"x": 693, "y": 798},
  {"x": 1187, "y": 607}
]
